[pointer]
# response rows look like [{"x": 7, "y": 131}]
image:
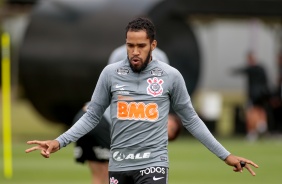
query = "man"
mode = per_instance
[
  {"x": 258, "y": 94},
  {"x": 94, "y": 147},
  {"x": 140, "y": 91}
]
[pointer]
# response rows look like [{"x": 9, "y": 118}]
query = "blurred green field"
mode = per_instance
[{"x": 190, "y": 162}]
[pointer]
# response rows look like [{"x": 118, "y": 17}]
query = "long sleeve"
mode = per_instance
[
  {"x": 181, "y": 102},
  {"x": 99, "y": 102}
]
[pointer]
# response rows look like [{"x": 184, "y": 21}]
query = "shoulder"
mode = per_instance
[
  {"x": 119, "y": 50},
  {"x": 160, "y": 55},
  {"x": 118, "y": 54},
  {"x": 170, "y": 70},
  {"x": 114, "y": 67}
]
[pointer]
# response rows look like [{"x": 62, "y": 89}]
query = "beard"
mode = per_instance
[{"x": 137, "y": 69}]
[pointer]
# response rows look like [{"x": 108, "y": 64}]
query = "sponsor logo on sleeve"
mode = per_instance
[
  {"x": 122, "y": 71},
  {"x": 157, "y": 72}
]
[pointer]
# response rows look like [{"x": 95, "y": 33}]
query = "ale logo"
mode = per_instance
[
  {"x": 155, "y": 86},
  {"x": 119, "y": 156}
]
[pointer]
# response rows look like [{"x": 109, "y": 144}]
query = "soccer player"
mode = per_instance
[
  {"x": 94, "y": 147},
  {"x": 139, "y": 91}
]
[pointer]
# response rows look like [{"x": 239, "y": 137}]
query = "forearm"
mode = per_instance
[
  {"x": 80, "y": 128},
  {"x": 200, "y": 131},
  {"x": 206, "y": 138}
]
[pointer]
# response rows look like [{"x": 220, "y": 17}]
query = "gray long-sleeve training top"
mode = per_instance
[{"x": 139, "y": 107}]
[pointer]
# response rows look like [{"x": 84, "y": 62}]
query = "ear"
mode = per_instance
[{"x": 153, "y": 44}]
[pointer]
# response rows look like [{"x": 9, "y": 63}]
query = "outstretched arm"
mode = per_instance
[
  {"x": 181, "y": 102},
  {"x": 46, "y": 147}
]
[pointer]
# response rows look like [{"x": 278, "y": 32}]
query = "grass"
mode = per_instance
[{"x": 190, "y": 161}]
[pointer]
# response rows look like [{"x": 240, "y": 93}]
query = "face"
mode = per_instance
[{"x": 139, "y": 50}]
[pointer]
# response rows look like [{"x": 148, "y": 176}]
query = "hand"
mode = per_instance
[
  {"x": 235, "y": 161},
  {"x": 46, "y": 147}
]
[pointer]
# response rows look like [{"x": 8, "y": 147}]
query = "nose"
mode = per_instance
[{"x": 135, "y": 51}]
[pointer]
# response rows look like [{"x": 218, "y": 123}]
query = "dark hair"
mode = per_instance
[{"x": 142, "y": 23}]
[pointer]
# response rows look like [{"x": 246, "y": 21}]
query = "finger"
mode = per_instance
[
  {"x": 252, "y": 163},
  {"x": 238, "y": 167},
  {"x": 242, "y": 164},
  {"x": 34, "y": 142},
  {"x": 32, "y": 149},
  {"x": 236, "y": 170},
  {"x": 250, "y": 170},
  {"x": 248, "y": 162},
  {"x": 44, "y": 154},
  {"x": 50, "y": 148}
]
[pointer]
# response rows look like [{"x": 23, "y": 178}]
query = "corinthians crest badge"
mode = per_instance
[{"x": 155, "y": 86}]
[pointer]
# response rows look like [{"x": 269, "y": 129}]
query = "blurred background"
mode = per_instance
[{"x": 59, "y": 47}]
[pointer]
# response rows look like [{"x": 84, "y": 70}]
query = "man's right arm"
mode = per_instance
[{"x": 99, "y": 102}]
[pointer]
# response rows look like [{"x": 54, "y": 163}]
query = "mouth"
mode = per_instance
[{"x": 135, "y": 60}]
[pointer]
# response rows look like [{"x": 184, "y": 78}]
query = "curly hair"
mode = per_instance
[{"x": 142, "y": 23}]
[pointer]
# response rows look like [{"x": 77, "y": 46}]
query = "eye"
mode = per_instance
[
  {"x": 142, "y": 45},
  {"x": 130, "y": 46}
]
